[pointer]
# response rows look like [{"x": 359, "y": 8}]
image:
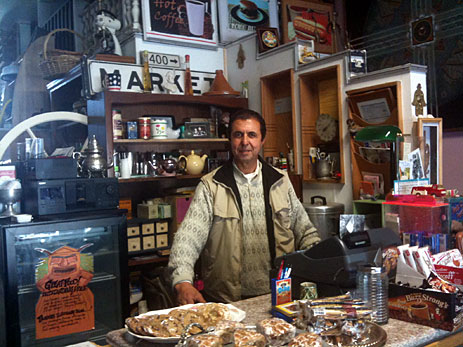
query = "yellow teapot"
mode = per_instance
[{"x": 194, "y": 163}]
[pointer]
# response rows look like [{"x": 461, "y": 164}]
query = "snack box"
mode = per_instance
[{"x": 426, "y": 307}]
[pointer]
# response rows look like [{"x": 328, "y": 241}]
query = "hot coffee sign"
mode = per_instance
[
  {"x": 131, "y": 78},
  {"x": 192, "y": 22}
]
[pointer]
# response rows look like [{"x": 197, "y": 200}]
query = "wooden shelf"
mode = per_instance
[
  {"x": 170, "y": 141},
  {"x": 314, "y": 180},
  {"x": 128, "y": 98},
  {"x": 150, "y": 259},
  {"x": 156, "y": 178}
]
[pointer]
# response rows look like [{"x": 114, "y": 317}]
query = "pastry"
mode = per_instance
[
  {"x": 276, "y": 331},
  {"x": 306, "y": 339},
  {"x": 249, "y": 9},
  {"x": 206, "y": 340},
  {"x": 226, "y": 328},
  {"x": 244, "y": 337}
]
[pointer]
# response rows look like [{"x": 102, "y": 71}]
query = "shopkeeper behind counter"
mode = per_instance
[{"x": 243, "y": 215}]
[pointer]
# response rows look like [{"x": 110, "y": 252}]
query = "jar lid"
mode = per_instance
[{"x": 318, "y": 204}]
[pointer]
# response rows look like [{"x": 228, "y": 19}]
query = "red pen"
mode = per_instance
[{"x": 280, "y": 272}]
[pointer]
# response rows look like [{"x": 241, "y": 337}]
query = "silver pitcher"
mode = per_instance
[
  {"x": 324, "y": 167},
  {"x": 91, "y": 162}
]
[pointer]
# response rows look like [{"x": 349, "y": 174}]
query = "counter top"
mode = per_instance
[{"x": 399, "y": 333}]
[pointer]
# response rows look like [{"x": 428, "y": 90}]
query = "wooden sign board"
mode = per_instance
[{"x": 132, "y": 78}]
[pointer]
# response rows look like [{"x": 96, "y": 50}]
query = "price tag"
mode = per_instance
[{"x": 163, "y": 60}]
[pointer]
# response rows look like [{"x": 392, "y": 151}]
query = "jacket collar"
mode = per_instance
[{"x": 225, "y": 174}]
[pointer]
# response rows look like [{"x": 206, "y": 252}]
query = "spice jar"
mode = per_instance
[
  {"x": 144, "y": 128},
  {"x": 117, "y": 124}
]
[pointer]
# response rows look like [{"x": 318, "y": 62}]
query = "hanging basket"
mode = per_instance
[{"x": 56, "y": 62}]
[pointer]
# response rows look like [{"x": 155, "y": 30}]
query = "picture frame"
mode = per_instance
[
  {"x": 267, "y": 38},
  {"x": 234, "y": 23},
  {"x": 197, "y": 130},
  {"x": 308, "y": 21},
  {"x": 175, "y": 24},
  {"x": 430, "y": 129},
  {"x": 374, "y": 107}
]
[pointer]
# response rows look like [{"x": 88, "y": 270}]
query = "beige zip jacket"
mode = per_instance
[{"x": 288, "y": 228}]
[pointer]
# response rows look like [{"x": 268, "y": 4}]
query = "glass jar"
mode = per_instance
[{"x": 372, "y": 287}]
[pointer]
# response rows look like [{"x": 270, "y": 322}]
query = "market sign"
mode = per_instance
[{"x": 131, "y": 75}]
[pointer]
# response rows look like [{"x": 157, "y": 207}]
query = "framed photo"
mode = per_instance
[
  {"x": 188, "y": 22},
  {"x": 374, "y": 107},
  {"x": 308, "y": 21},
  {"x": 267, "y": 38},
  {"x": 240, "y": 18},
  {"x": 196, "y": 130},
  {"x": 430, "y": 129}
]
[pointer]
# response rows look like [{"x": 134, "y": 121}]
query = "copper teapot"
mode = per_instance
[{"x": 91, "y": 162}]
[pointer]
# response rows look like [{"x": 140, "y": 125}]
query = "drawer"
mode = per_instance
[
  {"x": 162, "y": 240},
  {"x": 148, "y": 242},
  {"x": 133, "y": 231},
  {"x": 133, "y": 244},
  {"x": 147, "y": 228},
  {"x": 162, "y": 227}
]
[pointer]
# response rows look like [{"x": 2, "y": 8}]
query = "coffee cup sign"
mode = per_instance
[{"x": 195, "y": 13}]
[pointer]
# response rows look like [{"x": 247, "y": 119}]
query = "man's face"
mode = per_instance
[{"x": 246, "y": 141}]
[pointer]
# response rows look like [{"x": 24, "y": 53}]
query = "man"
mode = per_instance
[{"x": 243, "y": 215}]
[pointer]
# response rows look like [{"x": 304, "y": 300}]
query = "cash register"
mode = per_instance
[{"x": 332, "y": 264}]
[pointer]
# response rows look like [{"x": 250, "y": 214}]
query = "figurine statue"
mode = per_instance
[
  {"x": 107, "y": 24},
  {"x": 169, "y": 83},
  {"x": 418, "y": 101}
]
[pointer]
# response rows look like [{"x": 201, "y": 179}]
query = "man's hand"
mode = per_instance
[{"x": 187, "y": 294}]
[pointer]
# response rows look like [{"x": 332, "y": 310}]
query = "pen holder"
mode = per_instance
[{"x": 281, "y": 291}]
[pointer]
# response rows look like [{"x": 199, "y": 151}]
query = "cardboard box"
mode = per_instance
[
  {"x": 423, "y": 306},
  {"x": 179, "y": 205},
  {"x": 148, "y": 211},
  {"x": 426, "y": 307},
  {"x": 126, "y": 204}
]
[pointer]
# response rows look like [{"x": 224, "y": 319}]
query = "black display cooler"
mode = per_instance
[{"x": 64, "y": 280}]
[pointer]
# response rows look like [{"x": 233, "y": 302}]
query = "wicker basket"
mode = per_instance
[{"x": 56, "y": 62}]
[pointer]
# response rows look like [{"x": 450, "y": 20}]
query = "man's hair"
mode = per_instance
[{"x": 244, "y": 114}]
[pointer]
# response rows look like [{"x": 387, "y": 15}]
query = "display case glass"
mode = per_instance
[{"x": 65, "y": 279}]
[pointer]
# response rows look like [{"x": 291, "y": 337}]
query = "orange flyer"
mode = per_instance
[{"x": 66, "y": 303}]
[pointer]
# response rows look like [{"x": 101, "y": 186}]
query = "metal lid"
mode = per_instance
[{"x": 321, "y": 206}]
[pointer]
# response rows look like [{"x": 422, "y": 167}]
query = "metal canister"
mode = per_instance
[
  {"x": 308, "y": 291},
  {"x": 144, "y": 128},
  {"x": 158, "y": 128}
]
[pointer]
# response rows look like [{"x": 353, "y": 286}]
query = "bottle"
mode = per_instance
[
  {"x": 188, "y": 84},
  {"x": 147, "y": 86},
  {"x": 117, "y": 124}
]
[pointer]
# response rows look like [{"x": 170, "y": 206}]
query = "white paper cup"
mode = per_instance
[{"x": 126, "y": 169}]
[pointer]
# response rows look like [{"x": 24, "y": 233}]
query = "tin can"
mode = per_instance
[
  {"x": 159, "y": 128},
  {"x": 144, "y": 128},
  {"x": 308, "y": 291},
  {"x": 132, "y": 130}
]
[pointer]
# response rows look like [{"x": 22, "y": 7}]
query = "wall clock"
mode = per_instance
[{"x": 326, "y": 127}]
